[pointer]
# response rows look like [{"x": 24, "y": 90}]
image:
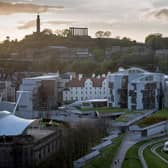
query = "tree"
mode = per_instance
[
  {"x": 98, "y": 53},
  {"x": 66, "y": 33},
  {"x": 7, "y": 38},
  {"x": 154, "y": 41},
  {"x": 47, "y": 32},
  {"x": 63, "y": 33},
  {"x": 103, "y": 34},
  {"x": 107, "y": 34},
  {"x": 99, "y": 34}
]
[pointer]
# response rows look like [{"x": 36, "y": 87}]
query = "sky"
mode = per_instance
[{"x": 124, "y": 18}]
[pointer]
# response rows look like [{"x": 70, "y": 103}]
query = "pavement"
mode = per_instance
[{"x": 125, "y": 145}]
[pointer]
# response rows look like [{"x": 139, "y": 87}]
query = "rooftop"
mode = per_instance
[
  {"x": 38, "y": 133},
  {"x": 50, "y": 76},
  {"x": 76, "y": 82},
  {"x": 11, "y": 125}
]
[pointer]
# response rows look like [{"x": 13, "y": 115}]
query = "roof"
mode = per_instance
[
  {"x": 129, "y": 71},
  {"x": 44, "y": 77},
  {"x": 90, "y": 101},
  {"x": 11, "y": 125},
  {"x": 97, "y": 82}
]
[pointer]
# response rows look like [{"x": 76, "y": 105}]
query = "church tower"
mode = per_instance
[{"x": 38, "y": 24}]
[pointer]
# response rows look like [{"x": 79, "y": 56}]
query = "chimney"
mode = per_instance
[
  {"x": 93, "y": 75},
  {"x": 98, "y": 76},
  {"x": 103, "y": 75},
  {"x": 80, "y": 76}
]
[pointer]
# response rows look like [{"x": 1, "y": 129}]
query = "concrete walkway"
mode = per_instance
[
  {"x": 154, "y": 148},
  {"x": 125, "y": 145}
]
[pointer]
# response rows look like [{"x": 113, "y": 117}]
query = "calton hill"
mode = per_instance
[{"x": 59, "y": 51}]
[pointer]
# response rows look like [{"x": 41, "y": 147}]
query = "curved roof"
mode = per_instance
[
  {"x": 136, "y": 70},
  {"x": 11, "y": 125}
]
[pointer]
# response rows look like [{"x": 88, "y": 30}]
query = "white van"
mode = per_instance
[{"x": 165, "y": 147}]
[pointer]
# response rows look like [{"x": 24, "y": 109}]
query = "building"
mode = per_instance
[
  {"x": 7, "y": 91},
  {"x": 136, "y": 50},
  {"x": 119, "y": 83},
  {"x": 38, "y": 94},
  {"x": 166, "y": 92},
  {"x": 162, "y": 53},
  {"x": 25, "y": 146},
  {"x": 146, "y": 92},
  {"x": 136, "y": 89},
  {"x": 82, "y": 88},
  {"x": 133, "y": 88},
  {"x": 80, "y": 53},
  {"x": 78, "y": 31}
]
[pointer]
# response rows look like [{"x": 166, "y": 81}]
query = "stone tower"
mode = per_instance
[{"x": 38, "y": 23}]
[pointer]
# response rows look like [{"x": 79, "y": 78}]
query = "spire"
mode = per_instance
[{"x": 38, "y": 23}]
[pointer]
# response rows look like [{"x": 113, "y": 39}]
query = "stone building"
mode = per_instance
[
  {"x": 82, "y": 88},
  {"x": 22, "y": 146}
]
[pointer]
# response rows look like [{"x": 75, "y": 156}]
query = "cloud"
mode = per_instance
[
  {"x": 32, "y": 23},
  {"x": 159, "y": 3},
  {"x": 160, "y": 14},
  {"x": 27, "y": 25},
  {"x": 10, "y": 8},
  {"x": 61, "y": 22}
]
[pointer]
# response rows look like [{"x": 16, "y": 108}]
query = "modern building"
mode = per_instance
[
  {"x": 22, "y": 145},
  {"x": 38, "y": 94},
  {"x": 119, "y": 83},
  {"x": 146, "y": 92},
  {"x": 136, "y": 89},
  {"x": 166, "y": 92},
  {"x": 78, "y": 31},
  {"x": 81, "y": 88}
]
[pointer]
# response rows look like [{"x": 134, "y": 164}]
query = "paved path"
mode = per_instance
[
  {"x": 154, "y": 148},
  {"x": 142, "y": 148},
  {"x": 125, "y": 145}
]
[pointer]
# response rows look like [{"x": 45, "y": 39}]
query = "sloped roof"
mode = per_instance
[
  {"x": 11, "y": 125},
  {"x": 97, "y": 82}
]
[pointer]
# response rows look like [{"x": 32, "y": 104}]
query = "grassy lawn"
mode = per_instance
[
  {"x": 151, "y": 120},
  {"x": 162, "y": 113},
  {"x": 131, "y": 158},
  {"x": 155, "y": 118},
  {"x": 152, "y": 160},
  {"x": 106, "y": 157},
  {"x": 126, "y": 117},
  {"x": 104, "y": 109}
]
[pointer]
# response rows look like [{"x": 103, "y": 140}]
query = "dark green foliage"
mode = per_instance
[
  {"x": 76, "y": 142},
  {"x": 97, "y": 46}
]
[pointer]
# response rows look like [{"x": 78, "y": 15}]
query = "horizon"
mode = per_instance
[{"x": 123, "y": 19}]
